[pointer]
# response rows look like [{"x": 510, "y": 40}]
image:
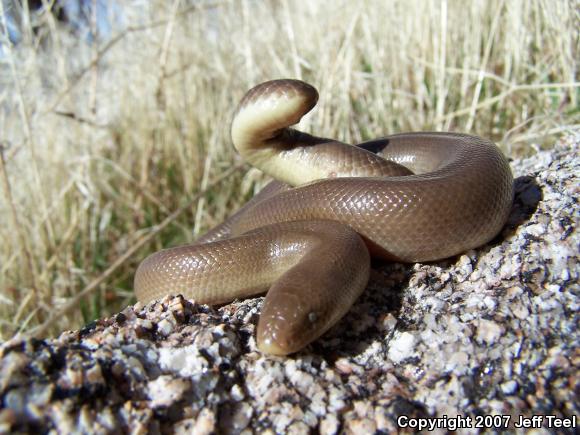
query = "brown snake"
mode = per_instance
[{"x": 407, "y": 197}]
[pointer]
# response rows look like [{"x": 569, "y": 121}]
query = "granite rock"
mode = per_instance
[{"x": 492, "y": 332}]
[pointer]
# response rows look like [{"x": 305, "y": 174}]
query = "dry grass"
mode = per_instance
[{"x": 109, "y": 150}]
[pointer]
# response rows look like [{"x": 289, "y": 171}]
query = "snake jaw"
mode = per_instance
[
  {"x": 286, "y": 324},
  {"x": 273, "y": 340},
  {"x": 270, "y": 346}
]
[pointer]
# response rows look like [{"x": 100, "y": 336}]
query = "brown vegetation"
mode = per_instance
[{"x": 112, "y": 150}]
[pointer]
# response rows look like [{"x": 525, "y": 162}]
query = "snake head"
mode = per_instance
[{"x": 287, "y": 325}]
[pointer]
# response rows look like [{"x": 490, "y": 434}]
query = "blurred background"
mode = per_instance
[{"x": 114, "y": 116}]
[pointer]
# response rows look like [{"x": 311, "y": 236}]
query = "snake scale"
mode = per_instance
[{"x": 307, "y": 239}]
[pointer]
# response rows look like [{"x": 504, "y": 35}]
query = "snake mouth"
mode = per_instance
[
  {"x": 287, "y": 329},
  {"x": 272, "y": 347},
  {"x": 271, "y": 340}
]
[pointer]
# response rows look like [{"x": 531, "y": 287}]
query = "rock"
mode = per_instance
[
  {"x": 401, "y": 347},
  {"x": 493, "y": 331}
]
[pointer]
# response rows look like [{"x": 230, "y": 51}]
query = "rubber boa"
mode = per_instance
[{"x": 307, "y": 239}]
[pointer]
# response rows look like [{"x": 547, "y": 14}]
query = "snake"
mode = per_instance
[{"x": 307, "y": 238}]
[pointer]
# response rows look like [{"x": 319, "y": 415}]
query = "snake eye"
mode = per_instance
[{"x": 312, "y": 317}]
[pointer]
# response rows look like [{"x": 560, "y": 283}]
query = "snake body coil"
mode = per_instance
[{"x": 407, "y": 197}]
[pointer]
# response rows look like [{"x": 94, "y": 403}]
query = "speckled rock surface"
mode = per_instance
[{"x": 490, "y": 333}]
